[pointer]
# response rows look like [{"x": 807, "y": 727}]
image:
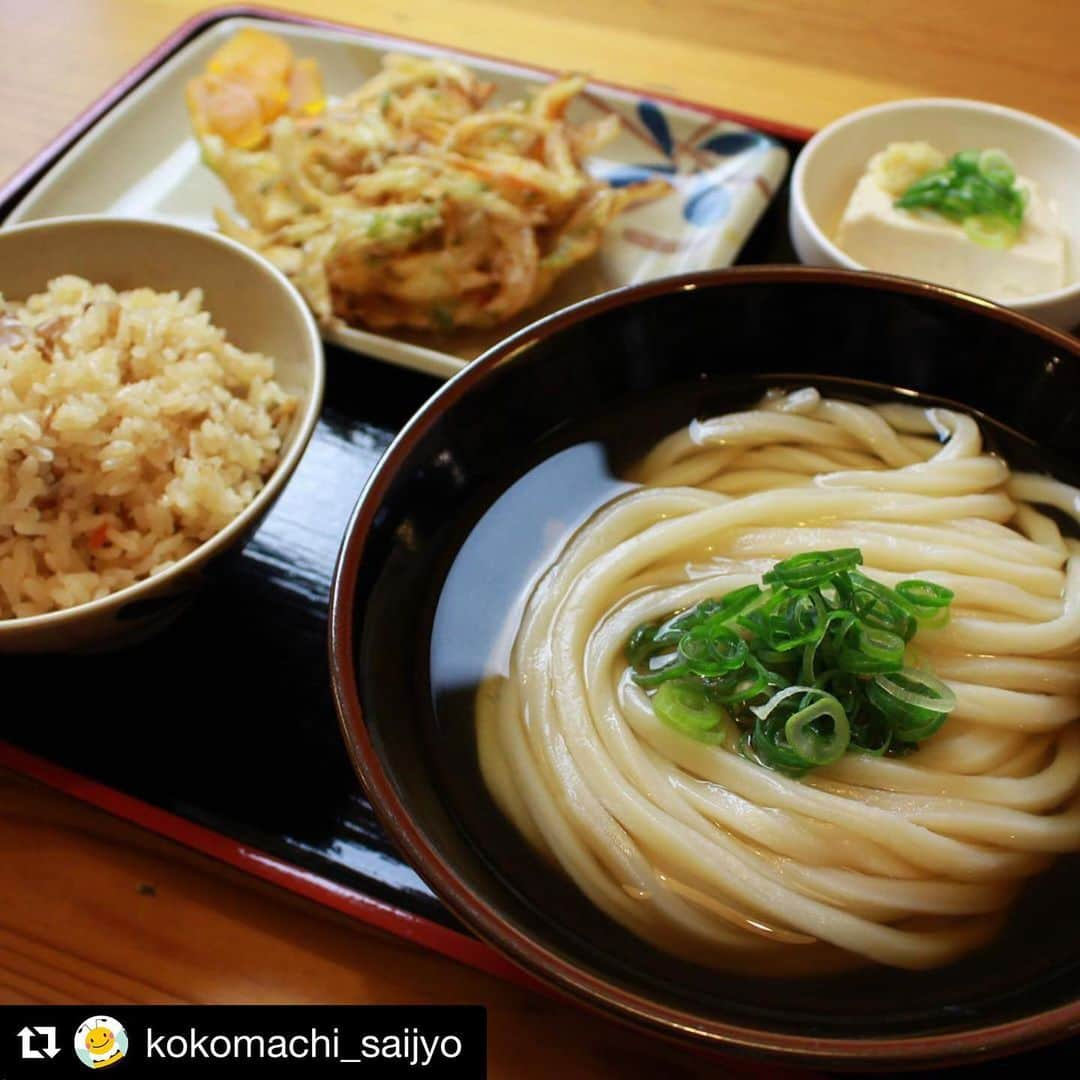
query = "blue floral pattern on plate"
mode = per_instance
[{"x": 702, "y": 169}]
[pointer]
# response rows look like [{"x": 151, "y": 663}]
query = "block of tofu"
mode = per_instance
[{"x": 922, "y": 244}]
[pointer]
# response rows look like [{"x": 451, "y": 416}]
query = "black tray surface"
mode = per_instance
[{"x": 235, "y": 728}]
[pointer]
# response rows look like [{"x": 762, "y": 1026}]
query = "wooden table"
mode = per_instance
[{"x": 95, "y": 911}]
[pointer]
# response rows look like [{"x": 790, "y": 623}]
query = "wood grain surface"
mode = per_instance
[
  {"x": 802, "y": 61},
  {"x": 96, "y": 911},
  {"x": 93, "y": 910}
]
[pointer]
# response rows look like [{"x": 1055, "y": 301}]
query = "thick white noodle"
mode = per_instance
[{"x": 909, "y": 862}]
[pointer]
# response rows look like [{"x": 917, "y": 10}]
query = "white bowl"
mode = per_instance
[
  {"x": 258, "y": 309},
  {"x": 833, "y": 160}
]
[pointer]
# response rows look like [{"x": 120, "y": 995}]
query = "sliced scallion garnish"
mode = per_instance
[
  {"x": 809, "y": 668},
  {"x": 686, "y": 706},
  {"x": 976, "y": 189}
]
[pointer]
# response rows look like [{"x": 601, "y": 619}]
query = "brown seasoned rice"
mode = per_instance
[{"x": 131, "y": 432}]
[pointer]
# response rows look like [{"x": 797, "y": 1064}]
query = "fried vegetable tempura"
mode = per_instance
[{"x": 408, "y": 203}]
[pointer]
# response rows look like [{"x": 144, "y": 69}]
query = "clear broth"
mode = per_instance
[{"x": 501, "y": 542}]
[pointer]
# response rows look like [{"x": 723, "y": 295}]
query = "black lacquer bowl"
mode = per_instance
[{"x": 500, "y": 465}]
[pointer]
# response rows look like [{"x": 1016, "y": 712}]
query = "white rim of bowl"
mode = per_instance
[
  {"x": 282, "y": 471},
  {"x": 813, "y": 147}
]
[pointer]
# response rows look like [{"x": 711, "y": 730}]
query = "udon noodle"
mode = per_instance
[{"x": 909, "y": 862}]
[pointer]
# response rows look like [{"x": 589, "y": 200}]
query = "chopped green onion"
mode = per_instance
[
  {"x": 762, "y": 712},
  {"x": 737, "y": 602},
  {"x": 924, "y": 594},
  {"x": 871, "y": 734},
  {"x": 769, "y": 742},
  {"x": 877, "y": 605},
  {"x": 918, "y": 689},
  {"x": 674, "y": 628},
  {"x": 811, "y": 735},
  {"x": 808, "y": 664},
  {"x": 799, "y": 621},
  {"x": 991, "y": 231},
  {"x": 641, "y": 644},
  {"x": 874, "y": 650},
  {"x": 916, "y": 702},
  {"x": 771, "y": 657},
  {"x": 812, "y": 567},
  {"x": 658, "y": 674},
  {"x": 845, "y": 687},
  {"x": 807, "y": 670},
  {"x": 709, "y": 652},
  {"x": 745, "y": 685},
  {"x": 976, "y": 189},
  {"x": 966, "y": 162},
  {"x": 929, "y": 603},
  {"x": 996, "y": 167},
  {"x": 686, "y": 706}
]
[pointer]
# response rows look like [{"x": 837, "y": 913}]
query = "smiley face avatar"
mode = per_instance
[{"x": 100, "y": 1042}]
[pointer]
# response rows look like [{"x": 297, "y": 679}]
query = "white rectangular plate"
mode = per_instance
[{"x": 140, "y": 161}]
